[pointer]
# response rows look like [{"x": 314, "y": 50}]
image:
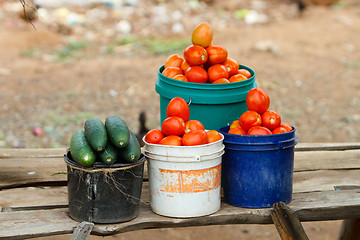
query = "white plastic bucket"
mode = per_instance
[{"x": 185, "y": 181}]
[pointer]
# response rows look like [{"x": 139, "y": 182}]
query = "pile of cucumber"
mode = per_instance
[{"x": 109, "y": 143}]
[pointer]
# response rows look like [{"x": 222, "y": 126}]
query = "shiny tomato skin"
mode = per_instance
[
  {"x": 235, "y": 124},
  {"x": 180, "y": 77},
  {"x": 192, "y": 125},
  {"x": 221, "y": 80},
  {"x": 271, "y": 119},
  {"x": 287, "y": 126},
  {"x": 178, "y": 107},
  {"x": 171, "y": 140},
  {"x": 174, "y": 60},
  {"x": 173, "y": 126},
  {"x": 237, "y": 78},
  {"x": 217, "y": 71},
  {"x": 154, "y": 136},
  {"x": 196, "y": 137},
  {"x": 259, "y": 130},
  {"x": 202, "y": 35},
  {"x": 196, "y": 74},
  {"x": 184, "y": 66},
  {"x": 231, "y": 65},
  {"x": 249, "y": 119},
  {"x": 216, "y": 54},
  {"x": 245, "y": 72},
  {"x": 279, "y": 130},
  {"x": 213, "y": 136},
  {"x": 238, "y": 131},
  {"x": 171, "y": 72},
  {"x": 257, "y": 100},
  {"x": 195, "y": 55}
]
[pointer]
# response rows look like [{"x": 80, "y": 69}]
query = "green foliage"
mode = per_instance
[{"x": 70, "y": 52}]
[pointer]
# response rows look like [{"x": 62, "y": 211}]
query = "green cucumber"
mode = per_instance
[
  {"x": 80, "y": 149},
  {"x": 109, "y": 155},
  {"x": 131, "y": 153},
  {"x": 96, "y": 134},
  {"x": 117, "y": 130}
]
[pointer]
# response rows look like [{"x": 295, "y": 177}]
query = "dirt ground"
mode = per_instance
[{"x": 309, "y": 63}]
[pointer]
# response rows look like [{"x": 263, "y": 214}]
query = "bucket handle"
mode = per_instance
[{"x": 285, "y": 144}]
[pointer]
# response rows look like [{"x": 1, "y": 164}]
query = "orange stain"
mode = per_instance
[{"x": 180, "y": 181}]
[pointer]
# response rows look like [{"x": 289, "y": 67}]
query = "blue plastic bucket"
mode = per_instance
[
  {"x": 214, "y": 105},
  {"x": 257, "y": 170}
]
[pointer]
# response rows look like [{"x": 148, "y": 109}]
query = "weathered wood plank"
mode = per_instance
[
  {"x": 316, "y": 206},
  {"x": 31, "y": 152},
  {"x": 55, "y": 197},
  {"x": 327, "y": 146},
  {"x": 316, "y": 160},
  {"x": 82, "y": 231},
  {"x": 325, "y": 180},
  {"x": 18, "y": 171},
  {"x": 59, "y": 152},
  {"x": 287, "y": 223}
]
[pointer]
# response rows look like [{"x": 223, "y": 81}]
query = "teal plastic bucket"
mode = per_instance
[
  {"x": 257, "y": 170},
  {"x": 214, "y": 105}
]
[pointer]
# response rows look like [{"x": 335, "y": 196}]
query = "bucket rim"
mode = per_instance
[
  {"x": 180, "y": 159},
  {"x": 98, "y": 165},
  {"x": 183, "y": 147},
  {"x": 223, "y": 130},
  {"x": 208, "y": 86}
]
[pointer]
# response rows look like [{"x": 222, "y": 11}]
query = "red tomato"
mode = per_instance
[
  {"x": 288, "y": 127},
  {"x": 174, "y": 61},
  {"x": 237, "y": 78},
  {"x": 271, "y": 119},
  {"x": 154, "y": 136},
  {"x": 171, "y": 140},
  {"x": 178, "y": 107},
  {"x": 184, "y": 66},
  {"x": 202, "y": 35},
  {"x": 180, "y": 77},
  {"x": 216, "y": 54},
  {"x": 196, "y": 74},
  {"x": 217, "y": 71},
  {"x": 232, "y": 66},
  {"x": 257, "y": 100},
  {"x": 245, "y": 72},
  {"x": 249, "y": 119},
  {"x": 173, "y": 126},
  {"x": 195, "y": 55},
  {"x": 279, "y": 130},
  {"x": 192, "y": 125},
  {"x": 235, "y": 124},
  {"x": 213, "y": 136},
  {"x": 221, "y": 80},
  {"x": 196, "y": 137},
  {"x": 171, "y": 72},
  {"x": 259, "y": 130},
  {"x": 238, "y": 131}
]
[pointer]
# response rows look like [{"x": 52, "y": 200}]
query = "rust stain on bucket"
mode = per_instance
[{"x": 181, "y": 181}]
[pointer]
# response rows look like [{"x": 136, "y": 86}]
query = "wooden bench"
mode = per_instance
[{"x": 33, "y": 195}]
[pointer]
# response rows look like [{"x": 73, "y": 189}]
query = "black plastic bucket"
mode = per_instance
[{"x": 104, "y": 193}]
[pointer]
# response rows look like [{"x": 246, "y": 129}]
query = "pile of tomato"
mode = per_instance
[
  {"x": 204, "y": 62},
  {"x": 258, "y": 120},
  {"x": 178, "y": 130}
]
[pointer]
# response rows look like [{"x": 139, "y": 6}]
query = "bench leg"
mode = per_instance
[
  {"x": 287, "y": 223},
  {"x": 350, "y": 229},
  {"x": 82, "y": 231}
]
